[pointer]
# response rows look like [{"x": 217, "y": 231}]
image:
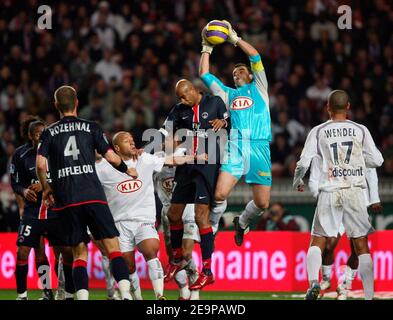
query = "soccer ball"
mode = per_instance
[{"x": 216, "y": 32}]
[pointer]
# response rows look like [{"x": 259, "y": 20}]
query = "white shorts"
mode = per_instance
[
  {"x": 132, "y": 233},
  {"x": 339, "y": 211},
  {"x": 191, "y": 230}
]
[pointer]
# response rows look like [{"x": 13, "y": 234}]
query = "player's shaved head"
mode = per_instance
[
  {"x": 338, "y": 101},
  {"x": 187, "y": 93},
  {"x": 118, "y": 136},
  {"x": 183, "y": 84},
  {"x": 65, "y": 99}
]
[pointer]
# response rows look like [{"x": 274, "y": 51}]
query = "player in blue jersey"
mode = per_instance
[{"x": 248, "y": 147}]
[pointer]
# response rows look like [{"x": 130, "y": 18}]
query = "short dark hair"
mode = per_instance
[
  {"x": 24, "y": 127},
  {"x": 33, "y": 125},
  {"x": 65, "y": 97},
  {"x": 338, "y": 100},
  {"x": 237, "y": 65}
]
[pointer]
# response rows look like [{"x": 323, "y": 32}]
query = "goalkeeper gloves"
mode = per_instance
[
  {"x": 206, "y": 46},
  {"x": 232, "y": 37}
]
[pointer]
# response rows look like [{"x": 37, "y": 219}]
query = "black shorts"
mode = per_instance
[
  {"x": 195, "y": 184},
  {"x": 31, "y": 230},
  {"x": 95, "y": 216}
]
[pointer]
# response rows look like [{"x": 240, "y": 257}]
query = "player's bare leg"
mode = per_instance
[
  {"x": 21, "y": 270},
  {"x": 366, "y": 266},
  {"x": 109, "y": 279},
  {"x": 327, "y": 262},
  {"x": 314, "y": 262},
  {"x": 134, "y": 278},
  {"x": 118, "y": 266},
  {"x": 42, "y": 267},
  {"x": 149, "y": 248},
  {"x": 175, "y": 214},
  {"x": 255, "y": 208},
  {"x": 207, "y": 243},
  {"x": 225, "y": 183}
]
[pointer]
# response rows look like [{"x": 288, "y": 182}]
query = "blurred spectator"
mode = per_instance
[
  {"x": 277, "y": 218},
  {"x": 108, "y": 69}
]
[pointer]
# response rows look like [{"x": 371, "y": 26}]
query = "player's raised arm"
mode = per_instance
[
  {"x": 212, "y": 82},
  {"x": 372, "y": 156},
  {"x": 308, "y": 153}
]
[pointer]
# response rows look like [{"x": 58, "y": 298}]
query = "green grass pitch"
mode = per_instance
[{"x": 173, "y": 295}]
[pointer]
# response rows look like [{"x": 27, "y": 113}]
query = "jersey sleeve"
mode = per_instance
[
  {"x": 222, "y": 111},
  {"x": 372, "y": 156},
  {"x": 101, "y": 143},
  {"x": 308, "y": 153},
  {"x": 315, "y": 174},
  {"x": 16, "y": 175},
  {"x": 372, "y": 185},
  {"x": 258, "y": 70},
  {"x": 43, "y": 146},
  {"x": 217, "y": 87},
  {"x": 155, "y": 161}
]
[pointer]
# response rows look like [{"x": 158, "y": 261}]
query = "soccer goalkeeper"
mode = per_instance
[{"x": 248, "y": 148}]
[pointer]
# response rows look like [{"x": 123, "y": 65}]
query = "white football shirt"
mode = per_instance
[
  {"x": 343, "y": 149},
  {"x": 131, "y": 199},
  {"x": 163, "y": 180}
]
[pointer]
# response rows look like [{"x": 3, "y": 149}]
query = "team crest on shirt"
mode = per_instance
[
  {"x": 241, "y": 103},
  {"x": 167, "y": 184},
  {"x": 129, "y": 186}
]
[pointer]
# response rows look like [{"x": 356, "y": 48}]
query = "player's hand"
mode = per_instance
[
  {"x": 232, "y": 37},
  {"x": 218, "y": 124},
  {"x": 36, "y": 187},
  {"x": 376, "y": 208},
  {"x": 132, "y": 172},
  {"x": 206, "y": 46},
  {"x": 202, "y": 157},
  {"x": 47, "y": 197},
  {"x": 30, "y": 195}
]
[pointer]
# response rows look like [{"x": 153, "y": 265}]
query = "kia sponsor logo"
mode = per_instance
[
  {"x": 241, "y": 103},
  {"x": 167, "y": 184},
  {"x": 129, "y": 186}
]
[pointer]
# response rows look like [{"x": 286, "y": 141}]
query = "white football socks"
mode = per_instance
[
  {"x": 327, "y": 272},
  {"x": 135, "y": 286},
  {"x": 366, "y": 270},
  {"x": 181, "y": 280},
  {"x": 124, "y": 288},
  {"x": 216, "y": 214},
  {"x": 250, "y": 212},
  {"x": 314, "y": 262},
  {"x": 349, "y": 276},
  {"x": 156, "y": 275},
  {"x": 110, "y": 281}
]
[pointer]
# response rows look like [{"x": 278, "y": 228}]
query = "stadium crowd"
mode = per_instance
[{"x": 124, "y": 58}]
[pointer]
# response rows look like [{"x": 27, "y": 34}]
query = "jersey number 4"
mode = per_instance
[
  {"x": 71, "y": 149},
  {"x": 348, "y": 144}
]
